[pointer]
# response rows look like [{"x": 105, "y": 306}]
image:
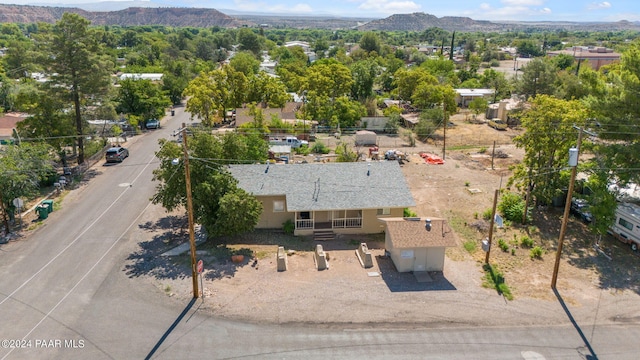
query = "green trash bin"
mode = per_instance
[
  {"x": 48, "y": 204},
  {"x": 43, "y": 211}
]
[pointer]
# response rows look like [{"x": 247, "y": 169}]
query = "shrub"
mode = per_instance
[
  {"x": 470, "y": 246},
  {"x": 527, "y": 242},
  {"x": 487, "y": 214},
  {"x": 513, "y": 251},
  {"x": 536, "y": 252},
  {"x": 288, "y": 227},
  {"x": 495, "y": 279},
  {"x": 511, "y": 206},
  {"x": 466, "y": 184},
  {"x": 503, "y": 245},
  {"x": 409, "y": 213},
  {"x": 303, "y": 150},
  {"x": 482, "y": 150},
  {"x": 319, "y": 148}
]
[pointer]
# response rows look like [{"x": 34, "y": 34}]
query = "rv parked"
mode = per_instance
[
  {"x": 292, "y": 141},
  {"x": 627, "y": 225}
]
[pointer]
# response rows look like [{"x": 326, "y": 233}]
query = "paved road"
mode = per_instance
[{"x": 64, "y": 294}]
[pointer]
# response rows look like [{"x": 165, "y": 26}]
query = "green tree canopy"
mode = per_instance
[
  {"x": 78, "y": 66},
  {"x": 21, "y": 170},
  {"x": 141, "y": 97},
  {"x": 548, "y": 135},
  {"x": 219, "y": 205},
  {"x": 211, "y": 93}
]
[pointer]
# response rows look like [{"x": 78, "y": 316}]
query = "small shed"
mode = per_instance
[
  {"x": 366, "y": 137},
  {"x": 417, "y": 244}
]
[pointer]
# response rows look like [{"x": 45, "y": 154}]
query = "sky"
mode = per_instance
[{"x": 516, "y": 10}]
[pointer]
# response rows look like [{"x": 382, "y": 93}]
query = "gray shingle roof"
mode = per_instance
[{"x": 328, "y": 186}]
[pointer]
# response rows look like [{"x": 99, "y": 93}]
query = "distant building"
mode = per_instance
[
  {"x": 465, "y": 96},
  {"x": 595, "y": 56},
  {"x": 144, "y": 76},
  {"x": 8, "y": 124}
]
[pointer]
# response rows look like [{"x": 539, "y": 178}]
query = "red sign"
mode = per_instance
[{"x": 200, "y": 267}]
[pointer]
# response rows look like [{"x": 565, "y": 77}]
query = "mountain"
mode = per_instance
[
  {"x": 422, "y": 21},
  {"x": 202, "y": 17},
  {"x": 180, "y": 17}
]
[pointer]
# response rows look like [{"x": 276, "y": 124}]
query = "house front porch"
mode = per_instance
[{"x": 308, "y": 221}]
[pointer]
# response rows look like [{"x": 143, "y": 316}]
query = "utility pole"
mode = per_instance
[
  {"x": 526, "y": 200},
  {"x": 192, "y": 237},
  {"x": 493, "y": 153},
  {"x": 493, "y": 216},
  {"x": 567, "y": 206},
  {"x": 444, "y": 135}
]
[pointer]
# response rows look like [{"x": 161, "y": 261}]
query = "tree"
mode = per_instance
[
  {"x": 364, "y": 73},
  {"x": 478, "y": 105},
  {"x": 497, "y": 81},
  {"x": 211, "y": 93},
  {"x": 538, "y": 77},
  {"x": 218, "y": 204},
  {"x": 328, "y": 78},
  {"x": 614, "y": 100},
  {"x": 78, "y": 69},
  {"x": 142, "y": 98},
  {"x": 22, "y": 168},
  {"x": 249, "y": 41},
  {"x": 370, "y": 42},
  {"x": 267, "y": 90},
  {"x": 549, "y": 135},
  {"x": 245, "y": 63},
  {"x": 528, "y": 48},
  {"x": 48, "y": 119},
  {"x": 346, "y": 153}
]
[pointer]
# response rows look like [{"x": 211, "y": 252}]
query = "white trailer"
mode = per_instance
[
  {"x": 292, "y": 141},
  {"x": 627, "y": 225}
]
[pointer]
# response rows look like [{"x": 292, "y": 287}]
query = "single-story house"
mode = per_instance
[
  {"x": 142, "y": 76},
  {"x": 595, "y": 56},
  {"x": 417, "y": 244},
  {"x": 8, "y": 123},
  {"x": 465, "y": 96},
  {"x": 288, "y": 112},
  {"x": 347, "y": 198},
  {"x": 501, "y": 109}
]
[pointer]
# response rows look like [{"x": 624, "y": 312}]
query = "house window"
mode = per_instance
[
  {"x": 278, "y": 205},
  {"x": 626, "y": 224},
  {"x": 384, "y": 211}
]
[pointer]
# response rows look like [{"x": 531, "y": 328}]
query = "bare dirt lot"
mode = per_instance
[{"x": 596, "y": 289}]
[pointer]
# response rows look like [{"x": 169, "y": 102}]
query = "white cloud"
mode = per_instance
[
  {"x": 545, "y": 10},
  {"x": 260, "y": 6},
  {"x": 389, "y": 7},
  {"x": 522, "y": 3},
  {"x": 598, "y": 6}
]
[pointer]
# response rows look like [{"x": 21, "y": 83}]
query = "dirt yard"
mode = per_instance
[{"x": 460, "y": 190}]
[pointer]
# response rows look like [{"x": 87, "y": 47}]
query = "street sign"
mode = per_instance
[
  {"x": 19, "y": 203},
  {"x": 200, "y": 267}
]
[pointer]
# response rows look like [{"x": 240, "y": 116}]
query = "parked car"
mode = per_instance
[
  {"x": 498, "y": 124},
  {"x": 116, "y": 154},
  {"x": 152, "y": 124},
  {"x": 580, "y": 207}
]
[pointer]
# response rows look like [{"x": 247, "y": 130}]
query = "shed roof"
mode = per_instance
[
  {"x": 474, "y": 92},
  {"x": 411, "y": 233},
  {"x": 328, "y": 186}
]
